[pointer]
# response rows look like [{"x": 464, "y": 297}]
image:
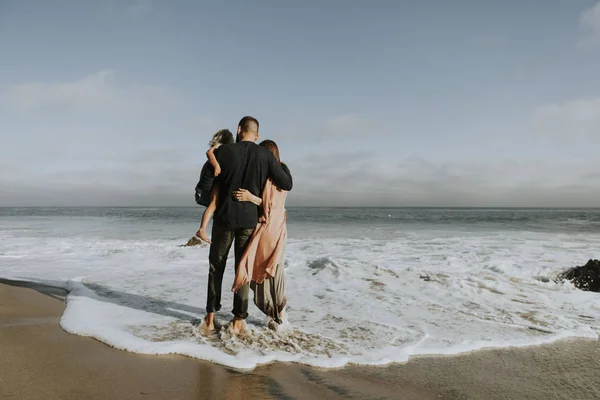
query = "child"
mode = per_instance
[{"x": 209, "y": 199}]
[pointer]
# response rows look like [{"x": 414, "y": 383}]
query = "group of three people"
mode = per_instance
[{"x": 244, "y": 187}]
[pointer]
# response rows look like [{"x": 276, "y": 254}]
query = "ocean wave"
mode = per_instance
[{"x": 366, "y": 299}]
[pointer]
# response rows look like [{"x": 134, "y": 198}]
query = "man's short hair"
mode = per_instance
[{"x": 248, "y": 124}]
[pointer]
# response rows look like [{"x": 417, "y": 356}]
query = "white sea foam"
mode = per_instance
[{"x": 350, "y": 300}]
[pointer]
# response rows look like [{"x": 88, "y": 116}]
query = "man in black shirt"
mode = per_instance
[{"x": 244, "y": 165}]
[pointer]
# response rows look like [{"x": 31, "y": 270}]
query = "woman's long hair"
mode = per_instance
[{"x": 272, "y": 147}]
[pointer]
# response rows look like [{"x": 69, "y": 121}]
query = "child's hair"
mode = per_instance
[
  {"x": 272, "y": 147},
  {"x": 222, "y": 136}
]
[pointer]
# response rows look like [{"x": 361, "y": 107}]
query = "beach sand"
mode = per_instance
[{"x": 38, "y": 360}]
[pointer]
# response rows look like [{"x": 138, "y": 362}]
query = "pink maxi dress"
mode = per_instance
[{"x": 262, "y": 262}]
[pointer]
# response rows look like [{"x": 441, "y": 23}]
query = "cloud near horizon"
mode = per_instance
[{"x": 330, "y": 179}]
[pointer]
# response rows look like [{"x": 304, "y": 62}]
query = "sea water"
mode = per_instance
[{"x": 364, "y": 285}]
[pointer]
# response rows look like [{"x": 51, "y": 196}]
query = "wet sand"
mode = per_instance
[{"x": 38, "y": 360}]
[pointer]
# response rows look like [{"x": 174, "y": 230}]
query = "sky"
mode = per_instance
[{"x": 384, "y": 103}]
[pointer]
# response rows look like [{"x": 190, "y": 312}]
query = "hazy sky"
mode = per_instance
[{"x": 401, "y": 103}]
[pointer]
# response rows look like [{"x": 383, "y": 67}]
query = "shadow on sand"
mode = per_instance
[{"x": 106, "y": 294}]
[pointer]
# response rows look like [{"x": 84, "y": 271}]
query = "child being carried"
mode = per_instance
[{"x": 209, "y": 198}]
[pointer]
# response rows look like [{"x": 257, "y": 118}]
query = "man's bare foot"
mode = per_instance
[
  {"x": 238, "y": 325},
  {"x": 208, "y": 325}
]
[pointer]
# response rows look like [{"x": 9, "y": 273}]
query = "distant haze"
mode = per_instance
[{"x": 434, "y": 103}]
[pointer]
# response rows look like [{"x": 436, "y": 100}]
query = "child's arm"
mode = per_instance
[
  {"x": 208, "y": 213},
  {"x": 213, "y": 160}
]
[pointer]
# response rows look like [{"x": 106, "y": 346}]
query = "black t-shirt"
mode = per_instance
[{"x": 244, "y": 165}]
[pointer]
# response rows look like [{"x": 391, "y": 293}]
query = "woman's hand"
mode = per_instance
[
  {"x": 242, "y": 195},
  {"x": 245, "y": 195},
  {"x": 217, "y": 170}
]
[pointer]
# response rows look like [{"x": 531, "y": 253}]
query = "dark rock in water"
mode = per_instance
[
  {"x": 194, "y": 241},
  {"x": 586, "y": 277}
]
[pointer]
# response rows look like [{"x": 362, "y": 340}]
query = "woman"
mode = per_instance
[{"x": 262, "y": 262}]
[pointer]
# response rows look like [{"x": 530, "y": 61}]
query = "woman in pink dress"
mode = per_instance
[{"x": 262, "y": 263}]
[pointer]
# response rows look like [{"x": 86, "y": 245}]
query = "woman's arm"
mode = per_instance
[
  {"x": 213, "y": 160},
  {"x": 208, "y": 213},
  {"x": 245, "y": 195}
]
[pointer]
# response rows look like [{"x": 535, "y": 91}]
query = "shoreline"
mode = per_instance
[{"x": 38, "y": 356}]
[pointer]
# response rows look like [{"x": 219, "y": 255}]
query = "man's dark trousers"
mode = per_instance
[{"x": 221, "y": 241}]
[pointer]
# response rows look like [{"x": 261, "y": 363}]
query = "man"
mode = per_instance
[{"x": 244, "y": 165}]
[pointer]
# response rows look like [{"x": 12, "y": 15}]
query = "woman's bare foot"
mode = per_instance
[{"x": 272, "y": 325}]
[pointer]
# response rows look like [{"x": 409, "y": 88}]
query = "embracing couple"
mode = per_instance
[{"x": 244, "y": 186}]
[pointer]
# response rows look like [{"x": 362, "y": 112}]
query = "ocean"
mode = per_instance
[{"x": 364, "y": 285}]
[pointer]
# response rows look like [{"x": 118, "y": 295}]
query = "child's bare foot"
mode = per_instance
[{"x": 203, "y": 236}]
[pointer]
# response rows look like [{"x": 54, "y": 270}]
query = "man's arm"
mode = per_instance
[{"x": 279, "y": 173}]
